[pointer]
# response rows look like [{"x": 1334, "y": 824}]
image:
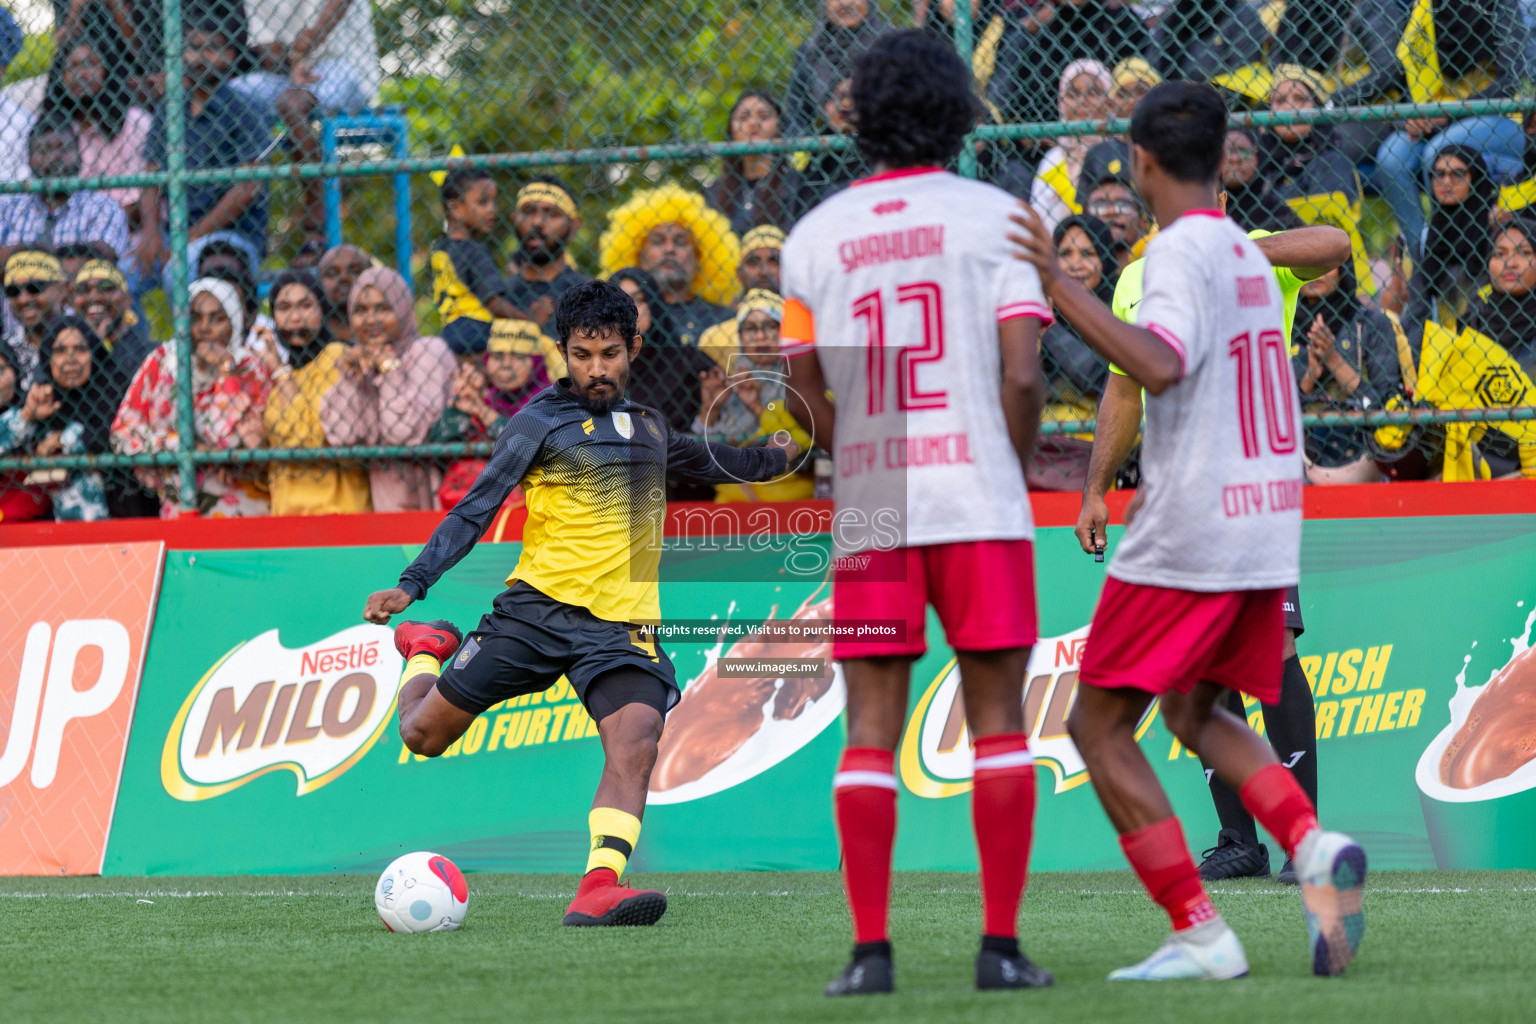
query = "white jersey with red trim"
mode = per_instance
[
  {"x": 1221, "y": 457},
  {"x": 897, "y": 285}
]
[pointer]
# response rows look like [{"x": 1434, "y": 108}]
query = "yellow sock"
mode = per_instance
[
  {"x": 614, "y": 835},
  {"x": 422, "y": 664}
]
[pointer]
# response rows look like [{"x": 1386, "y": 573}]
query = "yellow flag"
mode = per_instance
[{"x": 438, "y": 177}]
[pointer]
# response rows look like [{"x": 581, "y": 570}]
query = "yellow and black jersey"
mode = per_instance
[
  {"x": 595, "y": 488},
  {"x": 464, "y": 279}
]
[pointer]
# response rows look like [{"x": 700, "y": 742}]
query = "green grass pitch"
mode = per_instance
[{"x": 1454, "y": 947}]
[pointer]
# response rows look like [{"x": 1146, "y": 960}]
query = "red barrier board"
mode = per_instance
[
  {"x": 1356, "y": 501},
  {"x": 74, "y": 624}
]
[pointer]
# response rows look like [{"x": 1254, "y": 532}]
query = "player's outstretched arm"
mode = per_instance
[
  {"x": 464, "y": 525},
  {"x": 1023, "y": 391},
  {"x": 807, "y": 399},
  {"x": 1148, "y": 359},
  {"x": 1114, "y": 435},
  {"x": 710, "y": 462},
  {"x": 1306, "y": 252}
]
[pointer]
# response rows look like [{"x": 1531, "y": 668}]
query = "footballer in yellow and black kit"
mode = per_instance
[{"x": 582, "y": 600}]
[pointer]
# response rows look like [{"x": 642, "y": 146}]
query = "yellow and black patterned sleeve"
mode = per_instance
[
  {"x": 713, "y": 463},
  {"x": 516, "y": 451}
]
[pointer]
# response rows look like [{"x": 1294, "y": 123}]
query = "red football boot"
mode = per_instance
[
  {"x": 439, "y": 638},
  {"x": 601, "y": 900}
]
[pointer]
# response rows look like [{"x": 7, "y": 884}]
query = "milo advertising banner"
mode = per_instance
[{"x": 264, "y": 738}]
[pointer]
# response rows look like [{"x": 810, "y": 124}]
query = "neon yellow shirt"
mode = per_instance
[{"x": 1128, "y": 293}]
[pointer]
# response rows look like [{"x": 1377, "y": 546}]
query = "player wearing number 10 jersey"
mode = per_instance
[
  {"x": 1192, "y": 608},
  {"x": 902, "y": 297}
]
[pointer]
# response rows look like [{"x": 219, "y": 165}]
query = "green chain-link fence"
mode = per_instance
[{"x": 229, "y": 221}]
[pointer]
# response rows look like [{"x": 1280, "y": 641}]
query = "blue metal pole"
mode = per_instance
[{"x": 402, "y": 128}]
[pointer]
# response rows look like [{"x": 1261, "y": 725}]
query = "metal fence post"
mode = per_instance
[
  {"x": 176, "y": 196},
  {"x": 965, "y": 46}
]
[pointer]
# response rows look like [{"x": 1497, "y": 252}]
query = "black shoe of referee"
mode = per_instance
[
  {"x": 870, "y": 972},
  {"x": 1234, "y": 857},
  {"x": 1001, "y": 965}
]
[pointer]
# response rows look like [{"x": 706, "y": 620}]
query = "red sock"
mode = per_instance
[
  {"x": 1003, "y": 813},
  {"x": 1160, "y": 857},
  {"x": 864, "y": 793},
  {"x": 1276, "y": 801},
  {"x": 597, "y": 878}
]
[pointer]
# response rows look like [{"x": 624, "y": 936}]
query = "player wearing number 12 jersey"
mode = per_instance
[
  {"x": 902, "y": 297},
  {"x": 1192, "y": 608}
]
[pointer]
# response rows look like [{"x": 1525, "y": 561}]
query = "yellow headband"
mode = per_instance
[
  {"x": 519, "y": 337},
  {"x": 765, "y": 236},
  {"x": 32, "y": 266},
  {"x": 1306, "y": 76},
  {"x": 761, "y": 300},
  {"x": 101, "y": 270},
  {"x": 544, "y": 192},
  {"x": 1135, "y": 69}
]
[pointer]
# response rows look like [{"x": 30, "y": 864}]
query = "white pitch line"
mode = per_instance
[{"x": 360, "y": 892}]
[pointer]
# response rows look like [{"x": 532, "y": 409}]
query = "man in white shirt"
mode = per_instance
[
  {"x": 902, "y": 298},
  {"x": 312, "y": 56},
  {"x": 1193, "y": 605},
  {"x": 60, "y": 218},
  {"x": 15, "y": 119}
]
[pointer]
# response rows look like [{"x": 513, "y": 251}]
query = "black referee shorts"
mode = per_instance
[
  {"x": 529, "y": 640},
  {"x": 1292, "y": 608}
]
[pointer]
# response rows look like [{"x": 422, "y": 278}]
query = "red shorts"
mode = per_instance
[
  {"x": 983, "y": 590},
  {"x": 1159, "y": 639}
]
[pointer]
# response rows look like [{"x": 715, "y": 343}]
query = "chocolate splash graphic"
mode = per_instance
[
  {"x": 1499, "y": 735},
  {"x": 717, "y": 715}
]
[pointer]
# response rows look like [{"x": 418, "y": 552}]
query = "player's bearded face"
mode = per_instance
[{"x": 599, "y": 370}]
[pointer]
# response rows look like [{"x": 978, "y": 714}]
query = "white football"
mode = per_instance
[{"x": 422, "y": 892}]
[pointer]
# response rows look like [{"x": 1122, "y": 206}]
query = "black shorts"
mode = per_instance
[
  {"x": 529, "y": 640},
  {"x": 1292, "y": 607}
]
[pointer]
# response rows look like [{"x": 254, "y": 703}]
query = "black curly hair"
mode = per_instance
[
  {"x": 1183, "y": 125},
  {"x": 593, "y": 309},
  {"x": 912, "y": 100},
  {"x": 457, "y": 182}
]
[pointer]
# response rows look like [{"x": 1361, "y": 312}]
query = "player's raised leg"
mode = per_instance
[
  {"x": 1330, "y": 866},
  {"x": 624, "y": 702},
  {"x": 864, "y": 797},
  {"x": 428, "y": 723},
  {"x": 1002, "y": 810}
]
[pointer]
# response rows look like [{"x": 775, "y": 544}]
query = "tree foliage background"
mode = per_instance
[{"x": 499, "y": 76}]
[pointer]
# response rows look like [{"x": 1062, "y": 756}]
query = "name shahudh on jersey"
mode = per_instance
[{"x": 892, "y": 246}]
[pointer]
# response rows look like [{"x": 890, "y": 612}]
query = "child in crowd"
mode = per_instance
[{"x": 466, "y": 284}]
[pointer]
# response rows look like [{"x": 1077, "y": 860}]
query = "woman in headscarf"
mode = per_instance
[
  {"x": 1082, "y": 95},
  {"x": 1505, "y": 308},
  {"x": 69, "y": 412},
  {"x": 846, "y": 27},
  {"x": 17, "y": 501},
  {"x": 392, "y": 385},
  {"x": 748, "y": 408},
  {"x": 1456, "y": 239},
  {"x": 1086, "y": 247},
  {"x": 229, "y": 393},
  {"x": 832, "y": 171},
  {"x": 761, "y": 188},
  {"x": 301, "y": 333},
  {"x": 1333, "y": 332},
  {"x": 1074, "y": 375},
  {"x": 487, "y": 390}
]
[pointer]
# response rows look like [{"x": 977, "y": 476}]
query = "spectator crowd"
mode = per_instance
[{"x": 329, "y": 350}]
